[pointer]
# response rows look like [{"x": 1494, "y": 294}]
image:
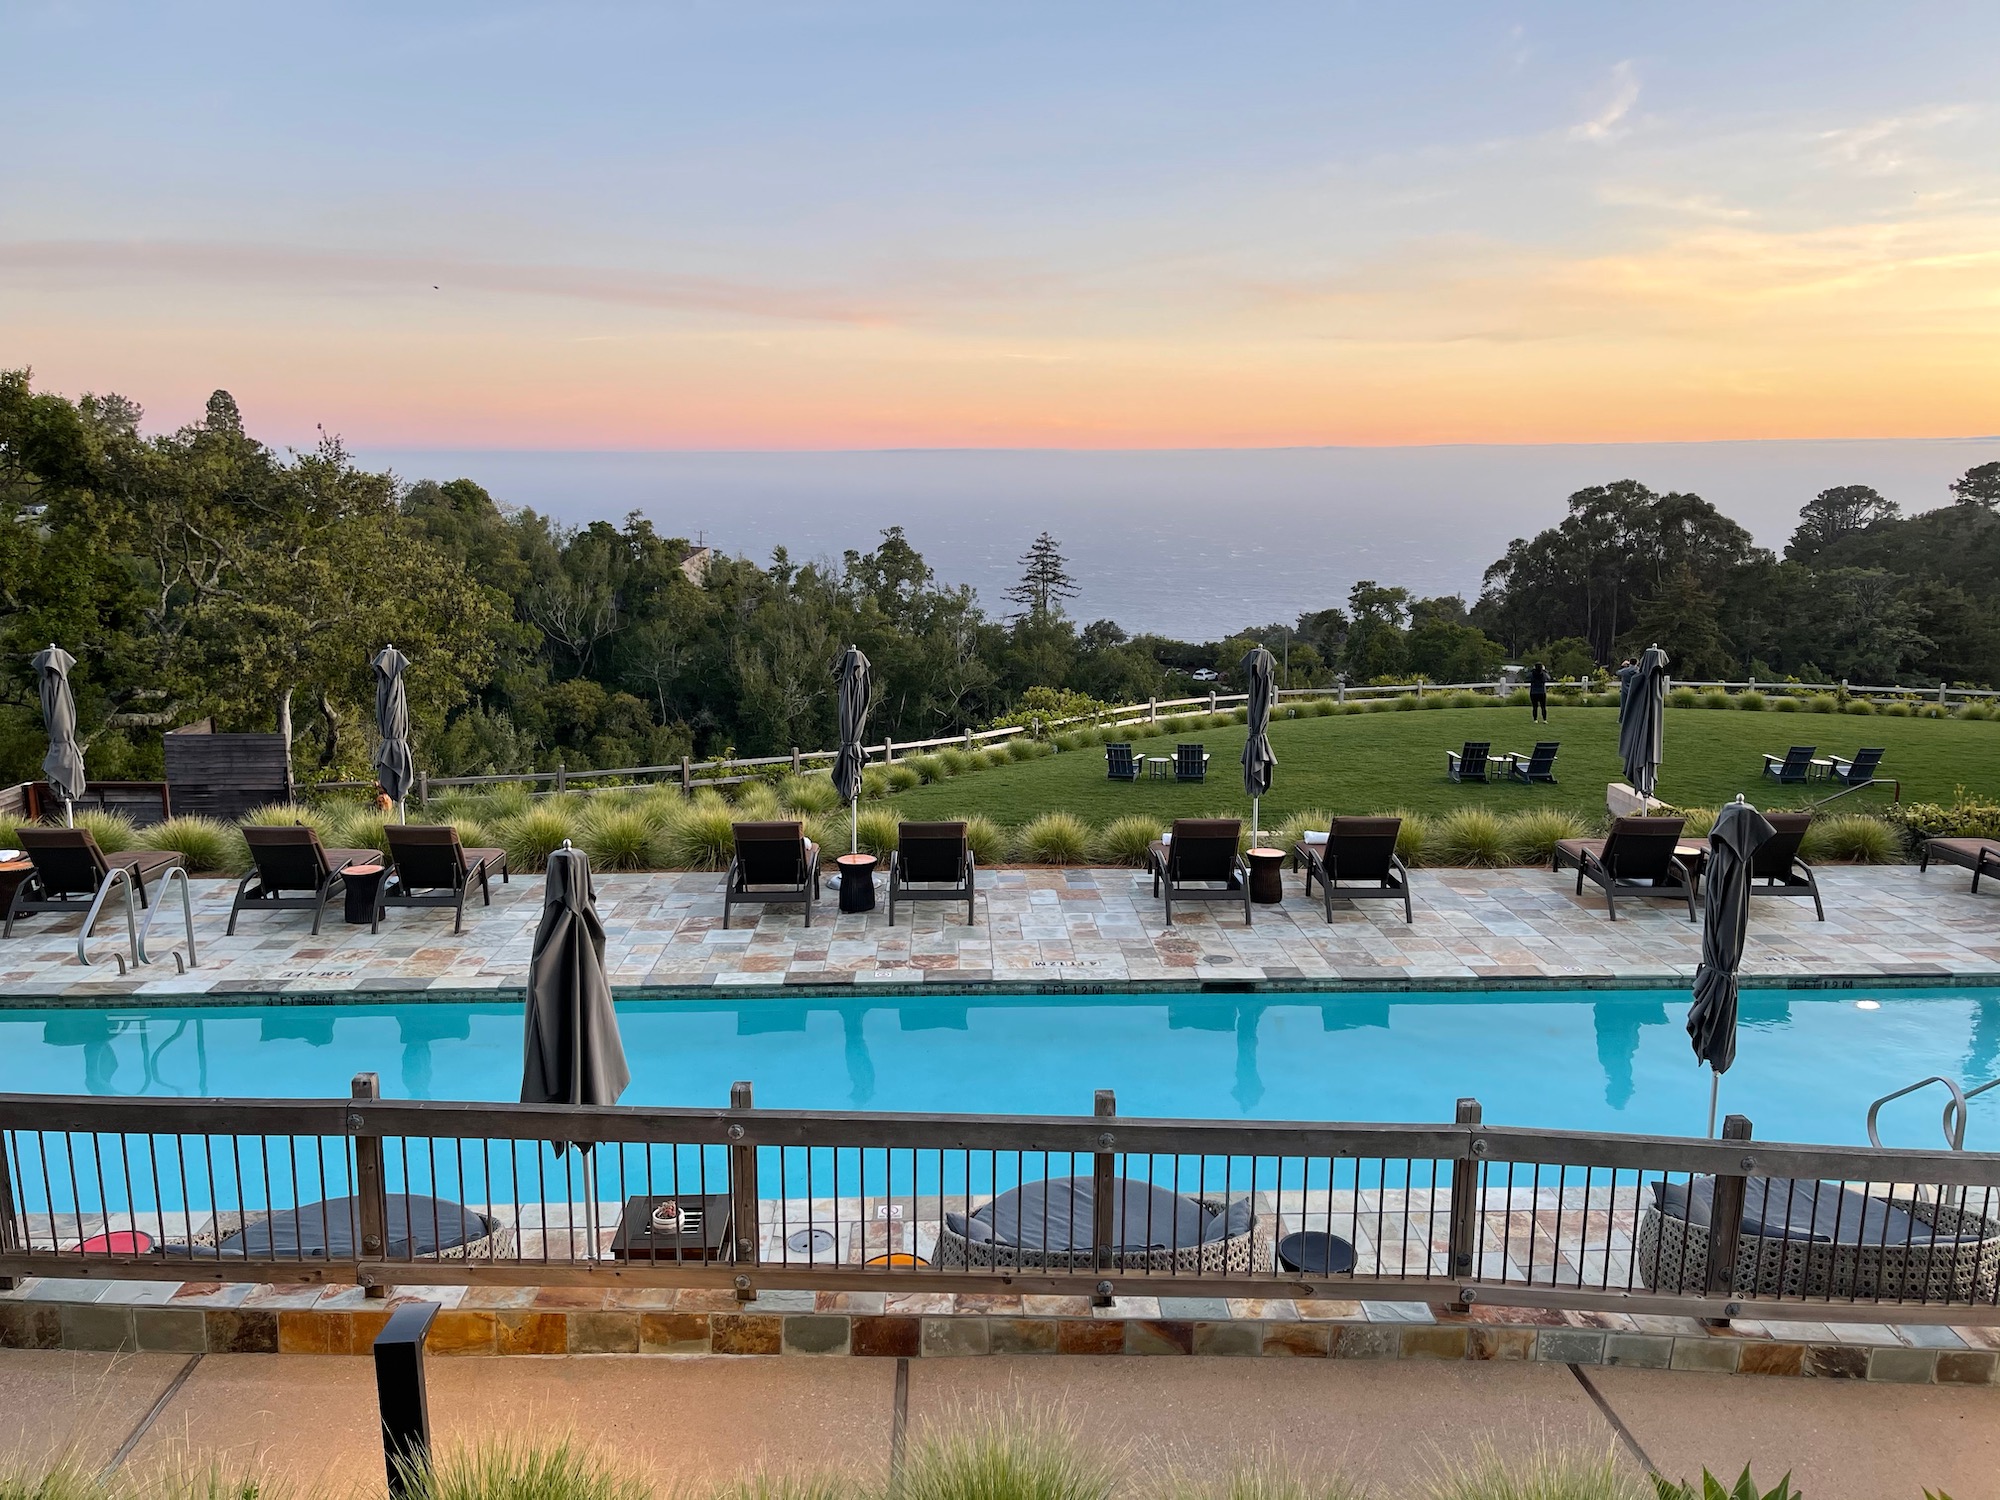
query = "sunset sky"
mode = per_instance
[{"x": 861, "y": 226}]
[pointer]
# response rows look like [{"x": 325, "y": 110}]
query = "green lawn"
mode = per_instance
[{"x": 1361, "y": 763}]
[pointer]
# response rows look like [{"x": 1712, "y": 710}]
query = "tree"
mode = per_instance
[
  {"x": 1375, "y": 641},
  {"x": 1045, "y": 582},
  {"x": 1835, "y": 513},
  {"x": 1683, "y": 617},
  {"x": 1979, "y": 486}
]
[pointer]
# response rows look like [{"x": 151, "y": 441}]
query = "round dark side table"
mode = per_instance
[
  {"x": 1267, "y": 876},
  {"x": 361, "y": 882},
  {"x": 857, "y": 882}
]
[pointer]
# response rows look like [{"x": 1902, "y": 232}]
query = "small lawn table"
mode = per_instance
[
  {"x": 857, "y": 882},
  {"x": 1157, "y": 766},
  {"x": 362, "y": 882},
  {"x": 1267, "y": 876}
]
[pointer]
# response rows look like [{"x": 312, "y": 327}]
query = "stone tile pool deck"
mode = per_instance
[{"x": 1064, "y": 928}]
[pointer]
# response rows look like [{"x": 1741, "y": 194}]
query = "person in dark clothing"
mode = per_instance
[{"x": 1538, "y": 693}]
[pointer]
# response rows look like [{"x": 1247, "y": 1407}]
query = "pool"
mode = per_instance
[{"x": 1808, "y": 1064}]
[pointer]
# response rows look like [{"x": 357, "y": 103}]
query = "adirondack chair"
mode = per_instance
[
  {"x": 1539, "y": 766},
  {"x": 1793, "y": 767},
  {"x": 1857, "y": 772},
  {"x": 1190, "y": 763},
  {"x": 1470, "y": 763},
  {"x": 1119, "y": 763}
]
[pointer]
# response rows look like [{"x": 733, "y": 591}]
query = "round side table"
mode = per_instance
[
  {"x": 1267, "y": 876},
  {"x": 362, "y": 882},
  {"x": 857, "y": 882}
]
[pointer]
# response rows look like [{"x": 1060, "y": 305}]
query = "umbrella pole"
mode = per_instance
[
  {"x": 590, "y": 1198},
  {"x": 1714, "y": 1090},
  {"x": 854, "y": 826},
  {"x": 1256, "y": 827},
  {"x": 69, "y": 814}
]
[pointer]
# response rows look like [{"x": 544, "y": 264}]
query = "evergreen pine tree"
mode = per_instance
[{"x": 1045, "y": 581}]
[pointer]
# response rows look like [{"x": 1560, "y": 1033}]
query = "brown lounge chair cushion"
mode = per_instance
[{"x": 1963, "y": 852}]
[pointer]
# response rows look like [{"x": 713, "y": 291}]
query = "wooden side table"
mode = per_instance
[
  {"x": 361, "y": 882},
  {"x": 1267, "y": 876},
  {"x": 857, "y": 882}
]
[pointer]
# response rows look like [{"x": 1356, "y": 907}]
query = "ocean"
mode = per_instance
[{"x": 1193, "y": 544}]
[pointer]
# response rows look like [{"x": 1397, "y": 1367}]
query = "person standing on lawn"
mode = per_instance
[{"x": 1538, "y": 693}]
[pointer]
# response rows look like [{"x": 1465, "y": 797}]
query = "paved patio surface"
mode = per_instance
[
  {"x": 1065, "y": 926},
  {"x": 692, "y": 1421}
]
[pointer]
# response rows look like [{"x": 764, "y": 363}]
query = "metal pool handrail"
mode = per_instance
[{"x": 1456, "y": 1212}]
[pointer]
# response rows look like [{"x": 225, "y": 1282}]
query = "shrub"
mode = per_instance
[
  {"x": 1751, "y": 702},
  {"x": 522, "y": 1470},
  {"x": 361, "y": 828},
  {"x": 619, "y": 838},
  {"x": 876, "y": 830},
  {"x": 989, "y": 842},
  {"x": 1056, "y": 838},
  {"x": 1299, "y": 824},
  {"x": 1860, "y": 707},
  {"x": 1127, "y": 840},
  {"x": 902, "y": 779},
  {"x": 1683, "y": 697},
  {"x": 1471, "y": 836},
  {"x": 1717, "y": 698},
  {"x": 874, "y": 782},
  {"x": 1787, "y": 705},
  {"x": 1532, "y": 836},
  {"x": 113, "y": 833},
  {"x": 1856, "y": 838},
  {"x": 1550, "y": 1474},
  {"x": 205, "y": 845},
  {"x": 1414, "y": 839},
  {"x": 994, "y": 1453},
  {"x": 1699, "y": 820},
  {"x": 1406, "y": 702},
  {"x": 809, "y": 794},
  {"x": 1963, "y": 819},
  {"x": 1974, "y": 710},
  {"x": 530, "y": 837},
  {"x": 756, "y": 802},
  {"x": 286, "y": 814},
  {"x": 955, "y": 762},
  {"x": 1823, "y": 703}
]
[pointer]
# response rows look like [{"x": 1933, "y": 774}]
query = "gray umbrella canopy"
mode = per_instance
[
  {"x": 1739, "y": 832},
  {"x": 573, "y": 1052},
  {"x": 394, "y": 767},
  {"x": 63, "y": 765},
  {"x": 857, "y": 690},
  {"x": 1258, "y": 762},
  {"x": 1642, "y": 717}
]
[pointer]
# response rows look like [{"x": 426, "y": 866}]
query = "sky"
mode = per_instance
[{"x": 731, "y": 226}]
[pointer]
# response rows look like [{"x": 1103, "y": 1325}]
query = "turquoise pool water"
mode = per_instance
[{"x": 1809, "y": 1061}]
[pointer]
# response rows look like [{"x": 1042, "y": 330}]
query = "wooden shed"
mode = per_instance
[{"x": 225, "y": 775}]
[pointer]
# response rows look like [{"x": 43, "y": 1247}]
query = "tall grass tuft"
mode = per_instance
[
  {"x": 1022, "y": 748},
  {"x": 955, "y": 762},
  {"x": 1786, "y": 704},
  {"x": 1717, "y": 698},
  {"x": 531, "y": 837},
  {"x": 700, "y": 836},
  {"x": 1532, "y": 836},
  {"x": 995, "y": 1453},
  {"x": 1056, "y": 838},
  {"x": 1266, "y": 1477},
  {"x": 286, "y": 815},
  {"x": 463, "y": 802},
  {"x": 1299, "y": 824},
  {"x": 902, "y": 778},
  {"x": 1860, "y": 707},
  {"x": 619, "y": 838},
  {"x": 205, "y": 845},
  {"x": 1752, "y": 702},
  {"x": 989, "y": 842},
  {"x": 756, "y": 802},
  {"x": 1699, "y": 820},
  {"x": 1471, "y": 836},
  {"x": 929, "y": 767},
  {"x": 112, "y": 832},
  {"x": 361, "y": 828},
  {"x": 1823, "y": 703},
  {"x": 1550, "y": 1474},
  {"x": 1416, "y": 839},
  {"x": 809, "y": 795},
  {"x": 1127, "y": 840},
  {"x": 877, "y": 831},
  {"x": 1856, "y": 838},
  {"x": 508, "y": 1469}
]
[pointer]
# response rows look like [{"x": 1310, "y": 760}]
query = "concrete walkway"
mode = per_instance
[{"x": 311, "y": 1421}]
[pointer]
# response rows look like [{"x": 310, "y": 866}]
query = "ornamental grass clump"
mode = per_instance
[
  {"x": 1752, "y": 702},
  {"x": 287, "y": 815},
  {"x": 1717, "y": 698},
  {"x": 1471, "y": 836},
  {"x": 1022, "y": 748},
  {"x": 996, "y": 1453},
  {"x": 956, "y": 762},
  {"x": 1532, "y": 836},
  {"x": 619, "y": 838},
  {"x": 361, "y": 828},
  {"x": 523, "y": 1469},
  {"x": 205, "y": 845},
  {"x": 1294, "y": 829},
  {"x": 877, "y": 831},
  {"x": 989, "y": 842},
  {"x": 812, "y": 795},
  {"x": 1056, "y": 838},
  {"x": 1416, "y": 838},
  {"x": 531, "y": 837},
  {"x": 1127, "y": 840},
  {"x": 756, "y": 802},
  {"x": 1267, "y": 1477},
  {"x": 1787, "y": 704},
  {"x": 702, "y": 837},
  {"x": 113, "y": 833},
  {"x": 901, "y": 778},
  {"x": 1851, "y": 838},
  {"x": 1549, "y": 1474},
  {"x": 929, "y": 767},
  {"x": 1823, "y": 703},
  {"x": 1859, "y": 707}
]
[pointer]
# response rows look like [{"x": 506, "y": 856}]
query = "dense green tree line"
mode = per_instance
[{"x": 201, "y": 573}]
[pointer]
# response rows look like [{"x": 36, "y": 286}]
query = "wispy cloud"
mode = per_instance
[
  {"x": 1623, "y": 94},
  {"x": 1885, "y": 146}
]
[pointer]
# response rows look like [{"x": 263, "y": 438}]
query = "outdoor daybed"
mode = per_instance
[
  {"x": 1047, "y": 1226},
  {"x": 1802, "y": 1238},
  {"x": 419, "y": 1228},
  {"x": 1981, "y": 856}
]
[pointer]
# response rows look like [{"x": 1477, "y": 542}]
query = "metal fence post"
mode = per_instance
[
  {"x": 743, "y": 1193},
  {"x": 1104, "y": 1188},
  {"x": 1465, "y": 1197},
  {"x": 10, "y": 1226},
  {"x": 1725, "y": 1214},
  {"x": 400, "y": 1394},
  {"x": 370, "y": 1195}
]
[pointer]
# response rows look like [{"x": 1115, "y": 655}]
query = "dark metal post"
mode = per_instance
[
  {"x": 423, "y": 788},
  {"x": 370, "y": 1194},
  {"x": 10, "y": 1227},
  {"x": 1725, "y": 1214},
  {"x": 1104, "y": 1184},
  {"x": 743, "y": 1192},
  {"x": 1464, "y": 1228},
  {"x": 399, "y": 1391}
]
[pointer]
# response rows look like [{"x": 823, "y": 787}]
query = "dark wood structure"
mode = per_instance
[{"x": 225, "y": 775}]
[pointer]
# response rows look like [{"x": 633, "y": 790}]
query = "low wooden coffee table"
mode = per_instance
[{"x": 637, "y": 1239}]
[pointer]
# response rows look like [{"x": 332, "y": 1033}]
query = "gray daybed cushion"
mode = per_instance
[
  {"x": 1774, "y": 1207},
  {"x": 1059, "y": 1213}
]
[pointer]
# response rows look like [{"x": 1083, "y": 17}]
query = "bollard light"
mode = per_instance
[{"x": 399, "y": 1391}]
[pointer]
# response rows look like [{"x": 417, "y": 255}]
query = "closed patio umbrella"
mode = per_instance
[
  {"x": 857, "y": 688},
  {"x": 573, "y": 1054},
  {"x": 1642, "y": 715},
  {"x": 1739, "y": 832},
  {"x": 63, "y": 765},
  {"x": 1258, "y": 762},
  {"x": 394, "y": 768}
]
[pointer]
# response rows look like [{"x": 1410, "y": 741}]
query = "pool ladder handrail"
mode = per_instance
[
  {"x": 1954, "y": 1115},
  {"x": 174, "y": 875}
]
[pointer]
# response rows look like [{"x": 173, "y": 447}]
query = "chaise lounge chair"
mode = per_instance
[
  {"x": 1777, "y": 870},
  {"x": 293, "y": 859},
  {"x": 1981, "y": 856},
  {"x": 1537, "y": 767},
  {"x": 1050, "y": 1225},
  {"x": 932, "y": 862},
  {"x": 1793, "y": 768},
  {"x": 1857, "y": 772},
  {"x": 1469, "y": 763},
  {"x": 72, "y": 874},
  {"x": 1190, "y": 763},
  {"x": 1119, "y": 764},
  {"x": 429, "y": 867},
  {"x": 773, "y": 862},
  {"x": 1198, "y": 861},
  {"x": 1356, "y": 850},
  {"x": 1801, "y": 1238},
  {"x": 1638, "y": 859}
]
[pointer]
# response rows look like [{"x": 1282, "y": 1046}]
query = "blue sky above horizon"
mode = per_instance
[{"x": 744, "y": 226}]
